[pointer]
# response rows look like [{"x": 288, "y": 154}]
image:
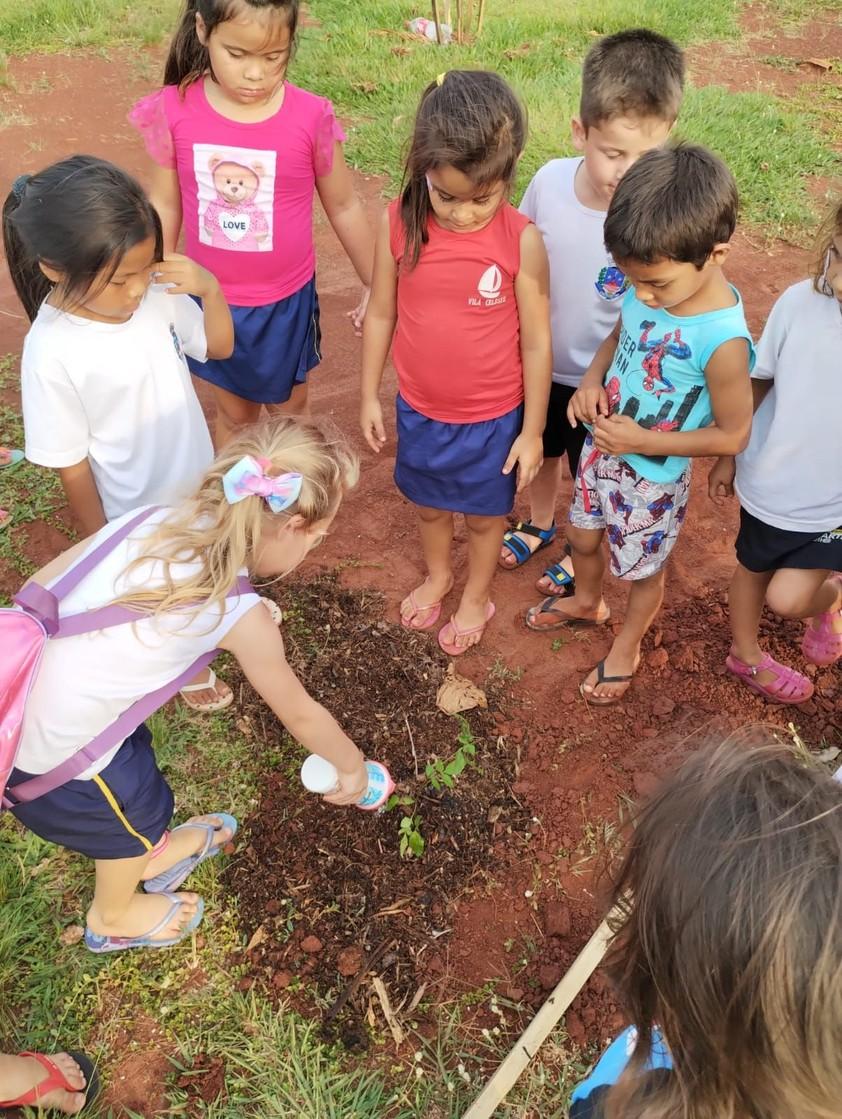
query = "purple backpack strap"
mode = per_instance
[{"x": 42, "y": 603}]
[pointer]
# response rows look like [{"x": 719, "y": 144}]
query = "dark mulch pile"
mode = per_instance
[{"x": 325, "y": 895}]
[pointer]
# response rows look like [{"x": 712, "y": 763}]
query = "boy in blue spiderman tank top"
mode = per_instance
[{"x": 669, "y": 384}]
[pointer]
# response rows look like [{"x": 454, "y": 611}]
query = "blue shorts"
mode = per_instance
[
  {"x": 457, "y": 467},
  {"x": 120, "y": 813},
  {"x": 275, "y": 347}
]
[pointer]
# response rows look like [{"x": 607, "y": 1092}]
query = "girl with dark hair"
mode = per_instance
[
  {"x": 727, "y": 950},
  {"x": 461, "y": 281},
  {"x": 238, "y": 152},
  {"x": 107, "y": 395}
]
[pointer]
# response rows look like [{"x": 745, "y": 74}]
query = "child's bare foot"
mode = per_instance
[
  {"x": 143, "y": 913},
  {"x": 184, "y": 841},
  {"x": 22, "y": 1074},
  {"x": 611, "y": 679},
  {"x": 466, "y": 627},
  {"x": 422, "y": 606},
  {"x": 555, "y": 612}
]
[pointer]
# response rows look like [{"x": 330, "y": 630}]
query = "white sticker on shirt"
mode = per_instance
[
  {"x": 236, "y": 191},
  {"x": 489, "y": 286}
]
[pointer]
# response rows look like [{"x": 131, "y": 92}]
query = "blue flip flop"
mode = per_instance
[
  {"x": 521, "y": 551},
  {"x": 15, "y": 458},
  {"x": 102, "y": 944},
  {"x": 171, "y": 879}
]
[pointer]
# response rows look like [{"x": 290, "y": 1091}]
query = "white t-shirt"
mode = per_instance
[
  {"x": 85, "y": 683},
  {"x": 790, "y": 475},
  {"x": 120, "y": 395},
  {"x": 586, "y": 287}
]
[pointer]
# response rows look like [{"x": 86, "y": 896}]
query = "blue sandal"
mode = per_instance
[
  {"x": 564, "y": 584},
  {"x": 522, "y": 552},
  {"x": 100, "y": 944},
  {"x": 171, "y": 879}
]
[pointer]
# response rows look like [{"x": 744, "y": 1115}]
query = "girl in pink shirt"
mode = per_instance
[
  {"x": 238, "y": 153},
  {"x": 461, "y": 283}
]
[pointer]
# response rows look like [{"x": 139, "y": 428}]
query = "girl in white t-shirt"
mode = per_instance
[
  {"x": 789, "y": 483},
  {"x": 266, "y": 501},
  {"x": 107, "y": 395}
]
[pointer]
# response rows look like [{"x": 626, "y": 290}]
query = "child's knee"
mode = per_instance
[
  {"x": 788, "y": 599},
  {"x": 431, "y": 516},
  {"x": 585, "y": 541}
]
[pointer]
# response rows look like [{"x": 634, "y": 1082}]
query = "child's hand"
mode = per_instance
[
  {"x": 527, "y": 454},
  {"x": 371, "y": 421},
  {"x": 357, "y": 316},
  {"x": 586, "y": 403},
  {"x": 619, "y": 435},
  {"x": 721, "y": 479},
  {"x": 185, "y": 277},
  {"x": 352, "y": 786}
]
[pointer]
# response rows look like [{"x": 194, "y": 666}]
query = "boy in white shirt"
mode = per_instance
[{"x": 632, "y": 84}]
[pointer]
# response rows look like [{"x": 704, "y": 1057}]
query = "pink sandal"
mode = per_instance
[
  {"x": 821, "y": 646},
  {"x": 450, "y": 631},
  {"x": 433, "y": 608},
  {"x": 788, "y": 686}
]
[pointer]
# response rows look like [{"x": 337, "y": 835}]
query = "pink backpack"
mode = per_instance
[{"x": 23, "y": 635}]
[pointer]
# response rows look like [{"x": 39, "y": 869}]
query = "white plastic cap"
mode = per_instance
[{"x": 319, "y": 776}]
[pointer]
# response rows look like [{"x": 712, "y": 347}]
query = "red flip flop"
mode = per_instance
[
  {"x": 56, "y": 1080},
  {"x": 450, "y": 631}
]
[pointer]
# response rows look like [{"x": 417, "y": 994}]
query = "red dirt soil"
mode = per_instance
[{"x": 575, "y": 763}]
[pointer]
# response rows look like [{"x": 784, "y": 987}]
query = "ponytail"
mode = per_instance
[
  {"x": 31, "y": 285},
  {"x": 188, "y": 59}
]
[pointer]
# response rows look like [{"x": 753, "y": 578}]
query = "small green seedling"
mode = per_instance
[
  {"x": 442, "y": 774},
  {"x": 398, "y": 801},
  {"x": 411, "y": 839}
]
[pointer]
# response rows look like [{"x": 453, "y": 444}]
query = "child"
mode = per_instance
[
  {"x": 464, "y": 276},
  {"x": 632, "y": 84},
  {"x": 789, "y": 482},
  {"x": 107, "y": 395},
  {"x": 728, "y": 954},
  {"x": 266, "y": 501},
  {"x": 670, "y": 384},
  {"x": 238, "y": 151}
]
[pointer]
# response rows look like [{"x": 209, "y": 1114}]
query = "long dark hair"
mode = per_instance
[
  {"x": 188, "y": 60},
  {"x": 79, "y": 217},
  {"x": 471, "y": 120},
  {"x": 730, "y": 939}
]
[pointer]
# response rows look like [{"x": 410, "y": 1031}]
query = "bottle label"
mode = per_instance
[{"x": 379, "y": 786}]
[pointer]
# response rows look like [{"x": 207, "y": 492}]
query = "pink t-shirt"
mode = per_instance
[
  {"x": 245, "y": 188},
  {"x": 457, "y": 341}
]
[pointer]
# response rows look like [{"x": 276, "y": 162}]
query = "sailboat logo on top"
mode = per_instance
[{"x": 488, "y": 289}]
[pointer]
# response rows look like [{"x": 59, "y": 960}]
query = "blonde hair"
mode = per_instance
[
  {"x": 222, "y": 538},
  {"x": 830, "y": 228}
]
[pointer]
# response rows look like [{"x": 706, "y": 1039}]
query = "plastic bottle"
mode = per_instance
[{"x": 319, "y": 776}]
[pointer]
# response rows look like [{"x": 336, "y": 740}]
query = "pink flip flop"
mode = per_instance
[
  {"x": 788, "y": 686},
  {"x": 821, "y": 646},
  {"x": 432, "y": 608},
  {"x": 450, "y": 631}
]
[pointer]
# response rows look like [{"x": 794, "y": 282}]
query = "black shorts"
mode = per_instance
[
  {"x": 559, "y": 437},
  {"x": 762, "y": 547}
]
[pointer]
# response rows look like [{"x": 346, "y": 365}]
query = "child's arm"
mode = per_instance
[
  {"x": 377, "y": 335},
  {"x": 188, "y": 278},
  {"x": 257, "y": 644},
  {"x": 728, "y": 380},
  {"x": 346, "y": 214},
  {"x": 165, "y": 196},
  {"x": 724, "y": 470},
  {"x": 532, "y": 292},
  {"x": 590, "y": 399},
  {"x": 82, "y": 496}
]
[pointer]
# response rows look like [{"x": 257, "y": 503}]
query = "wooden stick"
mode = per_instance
[
  {"x": 536, "y": 1033},
  {"x": 480, "y": 17},
  {"x": 388, "y": 1013},
  {"x": 459, "y": 22},
  {"x": 437, "y": 21}
]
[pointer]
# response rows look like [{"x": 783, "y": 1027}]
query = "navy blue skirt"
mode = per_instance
[
  {"x": 457, "y": 467},
  {"x": 119, "y": 814},
  {"x": 275, "y": 347}
]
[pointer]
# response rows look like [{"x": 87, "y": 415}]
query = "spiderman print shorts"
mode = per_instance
[{"x": 641, "y": 519}]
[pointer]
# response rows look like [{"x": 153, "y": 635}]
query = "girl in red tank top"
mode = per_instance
[{"x": 460, "y": 293}]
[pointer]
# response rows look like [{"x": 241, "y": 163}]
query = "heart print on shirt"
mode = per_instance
[{"x": 236, "y": 191}]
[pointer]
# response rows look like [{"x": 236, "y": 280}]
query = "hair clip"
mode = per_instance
[
  {"x": 440, "y": 79},
  {"x": 247, "y": 478},
  {"x": 19, "y": 186}
]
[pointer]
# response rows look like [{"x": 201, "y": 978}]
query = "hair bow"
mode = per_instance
[{"x": 247, "y": 478}]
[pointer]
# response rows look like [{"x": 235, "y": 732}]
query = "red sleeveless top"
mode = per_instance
[{"x": 457, "y": 343}]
